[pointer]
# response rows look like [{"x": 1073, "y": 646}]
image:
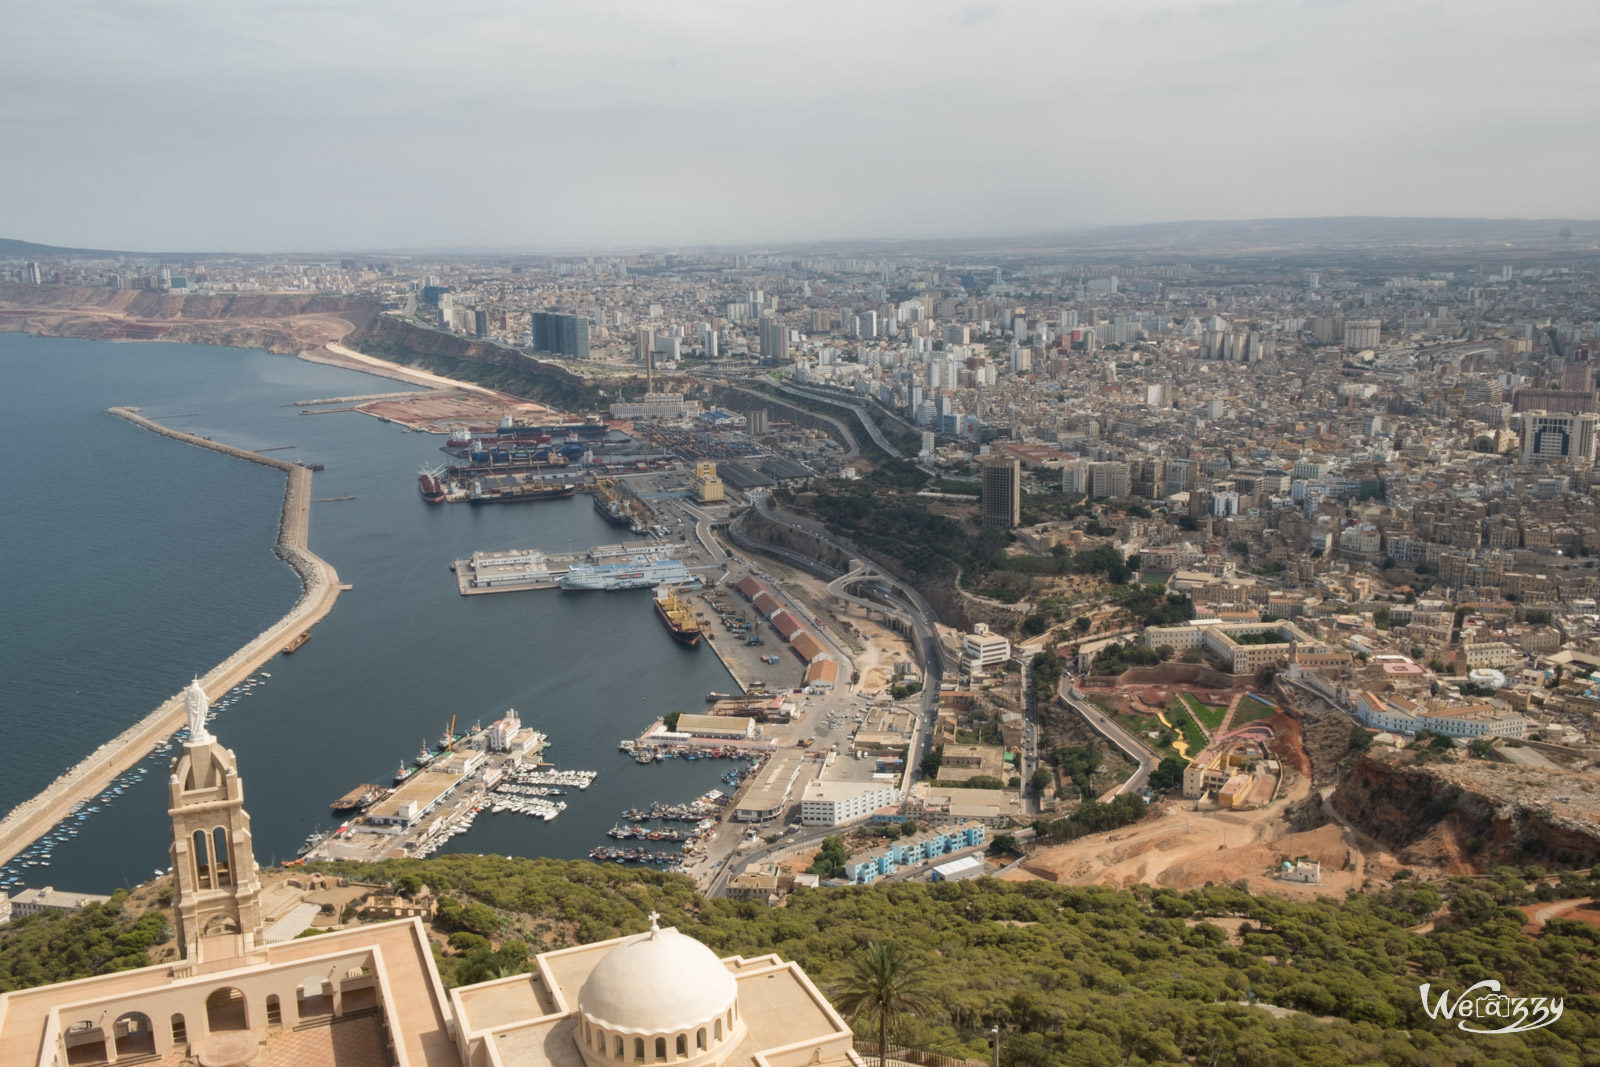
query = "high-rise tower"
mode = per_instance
[{"x": 1000, "y": 490}]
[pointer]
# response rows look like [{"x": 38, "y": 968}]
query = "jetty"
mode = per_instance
[{"x": 320, "y": 587}]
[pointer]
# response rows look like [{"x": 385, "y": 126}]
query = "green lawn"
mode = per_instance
[
  {"x": 1192, "y": 734},
  {"x": 1250, "y": 710},
  {"x": 1141, "y": 725},
  {"x": 1209, "y": 715}
]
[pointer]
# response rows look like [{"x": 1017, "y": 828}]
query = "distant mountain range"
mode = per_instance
[
  {"x": 13, "y": 249},
  {"x": 1340, "y": 231}
]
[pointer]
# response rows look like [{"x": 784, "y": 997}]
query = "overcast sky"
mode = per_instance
[{"x": 267, "y": 125}]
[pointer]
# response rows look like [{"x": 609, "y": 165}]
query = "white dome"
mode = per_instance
[{"x": 657, "y": 983}]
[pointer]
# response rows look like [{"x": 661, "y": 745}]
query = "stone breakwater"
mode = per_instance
[{"x": 30, "y": 820}]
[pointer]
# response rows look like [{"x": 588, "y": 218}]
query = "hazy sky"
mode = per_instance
[{"x": 341, "y": 124}]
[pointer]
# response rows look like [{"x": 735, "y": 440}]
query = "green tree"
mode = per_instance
[
  {"x": 830, "y": 860},
  {"x": 884, "y": 983},
  {"x": 1039, "y": 780},
  {"x": 670, "y": 720},
  {"x": 1168, "y": 774}
]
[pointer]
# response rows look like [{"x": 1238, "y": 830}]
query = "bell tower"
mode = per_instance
[{"x": 218, "y": 901}]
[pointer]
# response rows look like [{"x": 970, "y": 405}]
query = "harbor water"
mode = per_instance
[{"x": 133, "y": 562}]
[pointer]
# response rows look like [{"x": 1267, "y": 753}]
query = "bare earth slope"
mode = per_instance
[
  {"x": 1473, "y": 815},
  {"x": 283, "y": 323}
]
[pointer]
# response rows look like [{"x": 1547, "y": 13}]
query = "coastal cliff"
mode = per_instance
[
  {"x": 1472, "y": 815},
  {"x": 282, "y": 323},
  {"x": 482, "y": 362}
]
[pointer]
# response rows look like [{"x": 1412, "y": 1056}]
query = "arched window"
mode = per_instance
[
  {"x": 180, "y": 1032},
  {"x": 700, "y": 1039},
  {"x": 274, "y": 1010},
  {"x": 683, "y": 1044},
  {"x": 716, "y": 1030},
  {"x": 202, "y": 865},
  {"x": 226, "y": 1009},
  {"x": 133, "y": 1035},
  {"x": 617, "y": 1050},
  {"x": 219, "y": 857},
  {"x": 638, "y": 1049},
  {"x": 661, "y": 1048}
]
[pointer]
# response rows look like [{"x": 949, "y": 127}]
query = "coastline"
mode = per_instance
[
  {"x": 341, "y": 355},
  {"x": 320, "y": 588}
]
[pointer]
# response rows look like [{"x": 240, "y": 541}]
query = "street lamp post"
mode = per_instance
[{"x": 994, "y": 1039}]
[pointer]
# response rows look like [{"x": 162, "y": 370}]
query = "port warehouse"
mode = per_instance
[
  {"x": 805, "y": 644},
  {"x": 772, "y": 791}
]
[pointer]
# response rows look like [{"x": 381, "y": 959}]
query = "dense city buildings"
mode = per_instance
[{"x": 1286, "y": 427}]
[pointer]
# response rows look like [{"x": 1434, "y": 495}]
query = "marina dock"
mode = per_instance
[{"x": 498, "y": 768}]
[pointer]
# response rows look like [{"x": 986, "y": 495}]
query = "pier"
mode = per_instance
[
  {"x": 369, "y": 398},
  {"x": 33, "y": 818},
  {"x": 443, "y": 796}
]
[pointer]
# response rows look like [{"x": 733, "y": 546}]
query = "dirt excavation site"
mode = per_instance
[{"x": 1182, "y": 848}]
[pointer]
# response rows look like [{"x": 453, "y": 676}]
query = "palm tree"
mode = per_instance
[{"x": 885, "y": 984}]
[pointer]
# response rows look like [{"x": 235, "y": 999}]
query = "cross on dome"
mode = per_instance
[{"x": 655, "y": 922}]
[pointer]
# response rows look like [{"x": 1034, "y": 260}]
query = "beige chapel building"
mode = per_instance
[{"x": 371, "y": 997}]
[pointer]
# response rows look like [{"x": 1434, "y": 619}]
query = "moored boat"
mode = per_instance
[
  {"x": 676, "y": 616},
  {"x": 431, "y": 485}
]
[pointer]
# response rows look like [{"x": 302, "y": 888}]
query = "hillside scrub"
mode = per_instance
[{"x": 1087, "y": 975}]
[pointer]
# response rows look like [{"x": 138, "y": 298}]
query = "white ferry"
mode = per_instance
[{"x": 638, "y": 573}]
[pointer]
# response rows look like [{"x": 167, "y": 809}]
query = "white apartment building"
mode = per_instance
[
  {"x": 1396, "y": 715},
  {"x": 838, "y": 803},
  {"x": 981, "y": 649}
]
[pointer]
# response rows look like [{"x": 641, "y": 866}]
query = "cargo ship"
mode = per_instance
[
  {"x": 431, "y": 485},
  {"x": 481, "y": 455},
  {"x": 641, "y": 572},
  {"x": 677, "y": 616},
  {"x": 507, "y": 491},
  {"x": 612, "y": 511},
  {"x": 297, "y": 642},
  {"x": 508, "y": 431}
]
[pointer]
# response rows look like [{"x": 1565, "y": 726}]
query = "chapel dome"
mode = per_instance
[{"x": 658, "y": 982}]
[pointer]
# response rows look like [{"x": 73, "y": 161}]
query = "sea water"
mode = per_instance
[{"x": 131, "y": 563}]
